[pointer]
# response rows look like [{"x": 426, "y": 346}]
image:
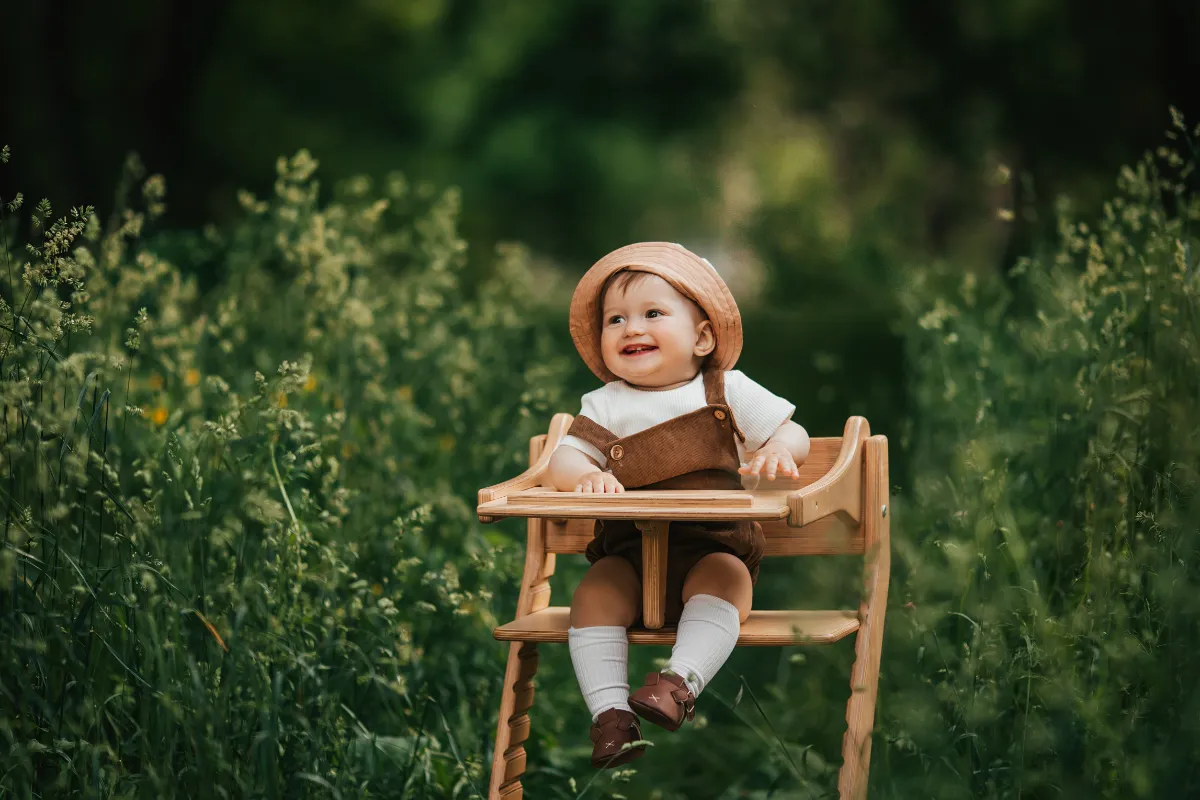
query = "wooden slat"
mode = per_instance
[
  {"x": 762, "y": 629},
  {"x": 675, "y": 498},
  {"x": 630, "y": 505},
  {"x": 826, "y": 537},
  {"x": 829, "y": 536},
  {"x": 569, "y": 536},
  {"x": 519, "y": 729},
  {"x": 514, "y": 764}
]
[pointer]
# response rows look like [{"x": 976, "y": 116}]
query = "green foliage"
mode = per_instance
[
  {"x": 218, "y": 583},
  {"x": 1044, "y": 635}
]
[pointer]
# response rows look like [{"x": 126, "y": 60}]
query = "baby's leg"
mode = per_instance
[
  {"x": 717, "y": 594},
  {"x": 606, "y": 602},
  {"x": 722, "y": 575},
  {"x": 609, "y": 594}
]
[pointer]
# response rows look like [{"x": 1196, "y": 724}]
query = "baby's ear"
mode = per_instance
[{"x": 706, "y": 340}]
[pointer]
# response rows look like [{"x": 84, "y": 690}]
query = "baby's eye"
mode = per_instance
[
  {"x": 654, "y": 312},
  {"x": 613, "y": 320}
]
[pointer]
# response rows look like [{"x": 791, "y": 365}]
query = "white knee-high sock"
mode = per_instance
[
  {"x": 707, "y": 633},
  {"x": 601, "y": 657}
]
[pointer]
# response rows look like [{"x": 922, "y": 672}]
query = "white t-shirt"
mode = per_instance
[{"x": 625, "y": 410}]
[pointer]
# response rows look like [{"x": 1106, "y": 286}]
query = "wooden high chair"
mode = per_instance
[{"x": 838, "y": 505}]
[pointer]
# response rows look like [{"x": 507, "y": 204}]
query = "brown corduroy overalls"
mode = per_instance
[{"x": 696, "y": 450}]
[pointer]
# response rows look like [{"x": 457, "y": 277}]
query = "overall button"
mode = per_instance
[
  {"x": 719, "y": 414},
  {"x": 616, "y": 452}
]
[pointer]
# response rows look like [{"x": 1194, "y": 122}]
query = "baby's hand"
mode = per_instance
[
  {"x": 776, "y": 457},
  {"x": 599, "y": 483}
]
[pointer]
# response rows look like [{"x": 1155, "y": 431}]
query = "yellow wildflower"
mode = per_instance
[
  {"x": 311, "y": 383},
  {"x": 156, "y": 381},
  {"x": 404, "y": 393},
  {"x": 446, "y": 442},
  {"x": 159, "y": 416},
  {"x": 376, "y": 589},
  {"x": 192, "y": 377},
  {"x": 282, "y": 398}
]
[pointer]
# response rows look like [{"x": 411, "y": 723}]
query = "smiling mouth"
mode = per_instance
[{"x": 638, "y": 349}]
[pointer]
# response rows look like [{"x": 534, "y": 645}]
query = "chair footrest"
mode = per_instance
[{"x": 762, "y": 629}]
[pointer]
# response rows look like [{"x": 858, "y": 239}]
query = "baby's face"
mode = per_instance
[{"x": 651, "y": 335}]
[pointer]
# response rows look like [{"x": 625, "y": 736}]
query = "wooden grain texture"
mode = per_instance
[
  {"x": 654, "y": 572},
  {"x": 636, "y": 504},
  {"x": 761, "y": 629},
  {"x": 512, "y": 724},
  {"x": 518, "y": 719},
  {"x": 674, "y": 498},
  {"x": 826, "y": 537},
  {"x": 868, "y": 645},
  {"x": 569, "y": 535},
  {"x": 839, "y": 490}
]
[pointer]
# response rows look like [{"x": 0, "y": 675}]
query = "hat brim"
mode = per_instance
[{"x": 689, "y": 274}]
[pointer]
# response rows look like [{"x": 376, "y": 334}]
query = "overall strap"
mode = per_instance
[
  {"x": 714, "y": 395},
  {"x": 592, "y": 432},
  {"x": 714, "y": 387}
]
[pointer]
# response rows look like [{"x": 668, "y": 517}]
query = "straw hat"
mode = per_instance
[{"x": 691, "y": 276}]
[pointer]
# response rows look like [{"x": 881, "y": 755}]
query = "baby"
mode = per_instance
[{"x": 659, "y": 326}]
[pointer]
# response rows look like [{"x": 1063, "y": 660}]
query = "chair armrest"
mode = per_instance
[
  {"x": 839, "y": 491},
  {"x": 537, "y": 471}
]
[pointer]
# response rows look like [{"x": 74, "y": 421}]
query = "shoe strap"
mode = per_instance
[
  {"x": 684, "y": 697},
  {"x": 621, "y": 721}
]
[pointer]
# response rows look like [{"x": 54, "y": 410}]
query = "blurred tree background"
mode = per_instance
[
  {"x": 827, "y": 157},
  {"x": 809, "y": 149}
]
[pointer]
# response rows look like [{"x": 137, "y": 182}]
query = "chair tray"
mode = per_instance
[
  {"x": 762, "y": 629},
  {"x": 678, "y": 504}
]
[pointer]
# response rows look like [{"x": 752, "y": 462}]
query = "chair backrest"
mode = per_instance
[{"x": 831, "y": 535}]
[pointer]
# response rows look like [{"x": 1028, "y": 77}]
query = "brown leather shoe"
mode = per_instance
[
  {"x": 611, "y": 730},
  {"x": 665, "y": 700}
]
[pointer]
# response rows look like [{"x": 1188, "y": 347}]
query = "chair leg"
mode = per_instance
[
  {"x": 868, "y": 642},
  {"x": 512, "y": 729},
  {"x": 860, "y": 718}
]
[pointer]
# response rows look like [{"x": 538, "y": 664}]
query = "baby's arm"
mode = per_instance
[
  {"x": 573, "y": 470},
  {"x": 787, "y": 445},
  {"x": 785, "y": 450},
  {"x": 793, "y": 438}
]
